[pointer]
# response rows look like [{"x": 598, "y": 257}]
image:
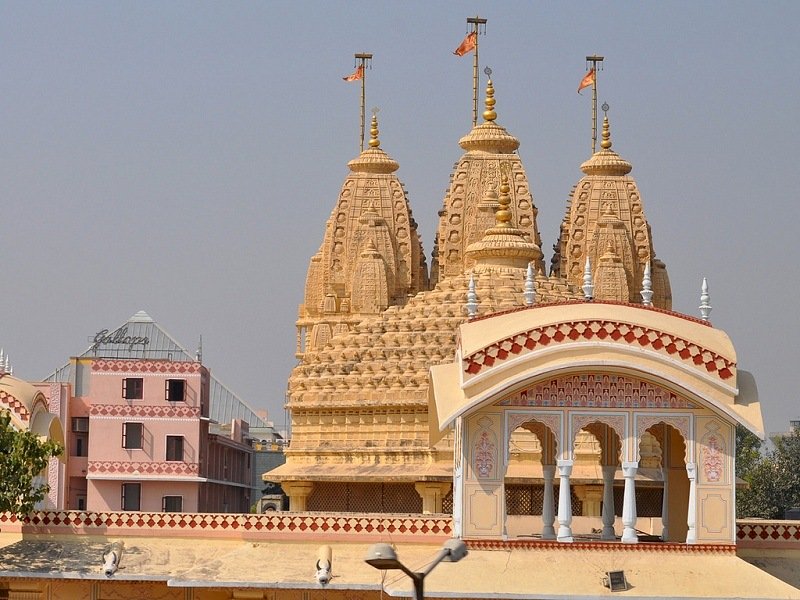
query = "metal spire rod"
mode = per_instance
[
  {"x": 363, "y": 60},
  {"x": 476, "y": 23},
  {"x": 594, "y": 59}
]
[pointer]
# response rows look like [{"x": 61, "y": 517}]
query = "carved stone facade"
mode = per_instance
[
  {"x": 605, "y": 224},
  {"x": 371, "y": 255}
]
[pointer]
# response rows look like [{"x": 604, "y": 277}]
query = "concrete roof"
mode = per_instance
[{"x": 505, "y": 571}]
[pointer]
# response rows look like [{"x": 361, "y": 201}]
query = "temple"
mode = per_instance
[{"x": 500, "y": 392}]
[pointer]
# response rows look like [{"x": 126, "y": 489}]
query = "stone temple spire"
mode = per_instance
[
  {"x": 605, "y": 223},
  {"x": 503, "y": 246},
  {"x": 489, "y": 150},
  {"x": 371, "y": 255}
]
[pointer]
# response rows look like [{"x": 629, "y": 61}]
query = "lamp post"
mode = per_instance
[{"x": 383, "y": 557}]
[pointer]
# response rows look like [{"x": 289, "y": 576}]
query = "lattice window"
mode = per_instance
[
  {"x": 365, "y": 497},
  {"x": 328, "y": 497},
  {"x": 447, "y": 503},
  {"x": 524, "y": 499},
  {"x": 648, "y": 501}
]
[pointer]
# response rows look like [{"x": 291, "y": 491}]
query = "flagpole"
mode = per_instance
[
  {"x": 594, "y": 59},
  {"x": 476, "y": 23},
  {"x": 363, "y": 60}
]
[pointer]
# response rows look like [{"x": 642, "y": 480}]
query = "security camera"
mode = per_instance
[
  {"x": 112, "y": 558},
  {"x": 324, "y": 565}
]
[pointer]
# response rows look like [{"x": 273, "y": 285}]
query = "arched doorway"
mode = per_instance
[
  {"x": 662, "y": 456},
  {"x": 530, "y": 498}
]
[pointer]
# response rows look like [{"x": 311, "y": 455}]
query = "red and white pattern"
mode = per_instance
[
  {"x": 602, "y": 330},
  {"x": 145, "y": 366},
  {"x": 597, "y": 390},
  {"x": 15, "y": 406},
  {"x": 768, "y": 534},
  {"x": 111, "y": 467},
  {"x": 126, "y": 410},
  {"x": 318, "y": 526},
  {"x": 297, "y": 526}
]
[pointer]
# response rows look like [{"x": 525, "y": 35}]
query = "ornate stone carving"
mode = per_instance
[{"x": 679, "y": 422}]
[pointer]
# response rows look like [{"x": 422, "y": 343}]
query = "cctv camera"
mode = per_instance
[
  {"x": 112, "y": 558},
  {"x": 323, "y": 576},
  {"x": 324, "y": 565}
]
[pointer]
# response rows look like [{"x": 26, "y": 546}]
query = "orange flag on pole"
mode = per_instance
[
  {"x": 355, "y": 75},
  {"x": 468, "y": 45},
  {"x": 587, "y": 80}
]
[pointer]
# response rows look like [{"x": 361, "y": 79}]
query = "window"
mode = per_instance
[
  {"x": 81, "y": 446},
  {"x": 174, "y": 447},
  {"x": 172, "y": 504},
  {"x": 176, "y": 390},
  {"x": 133, "y": 388},
  {"x": 80, "y": 424},
  {"x": 131, "y": 496},
  {"x": 132, "y": 436}
]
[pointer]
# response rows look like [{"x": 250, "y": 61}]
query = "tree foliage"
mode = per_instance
[
  {"x": 23, "y": 456},
  {"x": 773, "y": 477}
]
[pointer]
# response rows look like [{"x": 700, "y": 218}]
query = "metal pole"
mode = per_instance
[
  {"x": 476, "y": 23},
  {"x": 363, "y": 60},
  {"x": 594, "y": 60},
  {"x": 419, "y": 585}
]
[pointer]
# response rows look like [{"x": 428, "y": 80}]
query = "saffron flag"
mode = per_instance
[
  {"x": 355, "y": 75},
  {"x": 587, "y": 80},
  {"x": 468, "y": 45}
]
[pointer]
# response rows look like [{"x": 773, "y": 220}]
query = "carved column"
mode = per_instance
[
  {"x": 665, "y": 505},
  {"x": 591, "y": 497},
  {"x": 564, "y": 501},
  {"x": 608, "y": 503},
  {"x": 432, "y": 493},
  {"x": 691, "y": 519},
  {"x": 298, "y": 492},
  {"x": 629, "y": 503},
  {"x": 548, "y": 512}
]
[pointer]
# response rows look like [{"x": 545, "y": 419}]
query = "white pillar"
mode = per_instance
[
  {"x": 564, "y": 501},
  {"x": 691, "y": 520},
  {"x": 548, "y": 512},
  {"x": 608, "y": 503},
  {"x": 665, "y": 505},
  {"x": 629, "y": 503}
]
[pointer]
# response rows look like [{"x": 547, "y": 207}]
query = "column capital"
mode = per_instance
[
  {"x": 629, "y": 468},
  {"x": 565, "y": 467},
  {"x": 691, "y": 470}
]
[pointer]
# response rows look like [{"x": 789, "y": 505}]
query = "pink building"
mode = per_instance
[
  {"x": 139, "y": 440},
  {"x": 136, "y": 411}
]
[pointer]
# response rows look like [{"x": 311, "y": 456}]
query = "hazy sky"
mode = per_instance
[{"x": 182, "y": 158}]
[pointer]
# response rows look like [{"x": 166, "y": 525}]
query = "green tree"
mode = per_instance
[
  {"x": 22, "y": 457},
  {"x": 773, "y": 478}
]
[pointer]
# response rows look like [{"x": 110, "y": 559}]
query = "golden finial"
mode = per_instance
[
  {"x": 606, "y": 143},
  {"x": 489, "y": 114},
  {"x": 503, "y": 214},
  {"x": 374, "y": 142}
]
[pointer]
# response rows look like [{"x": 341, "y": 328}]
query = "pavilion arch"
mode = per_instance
[
  {"x": 672, "y": 469},
  {"x": 627, "y": 368}
]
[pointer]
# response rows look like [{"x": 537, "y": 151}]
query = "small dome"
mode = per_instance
[
  {"x": 606, "y": 161},
  {"x": 373, "y": 160},
  {"x": 489, "y": 137}
]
